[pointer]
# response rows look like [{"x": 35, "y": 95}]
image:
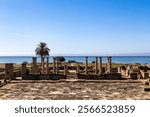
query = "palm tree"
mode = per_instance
[{"x": 42, "y": 50}]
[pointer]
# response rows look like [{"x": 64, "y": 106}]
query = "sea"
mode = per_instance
[{"x": 115, "y": 59}]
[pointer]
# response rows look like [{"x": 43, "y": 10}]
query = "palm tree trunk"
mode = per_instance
[
  {"x": 42, "y": 64},
  {"x": 41, "y": 61}
]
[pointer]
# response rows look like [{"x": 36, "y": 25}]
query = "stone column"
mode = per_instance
[
  {"x": 47, "y": 64},
  {"x": 100, "y": 65},
  {"x": 96, "y": 65},
  {"x": 57, "y": 67},
  {"x": 78, "y": 68},
  {"x": 9, "y": 71},
  {"x": 119, "y": 69},
  {"x": 105, "y": 67},
  {"x": 54, "y": 65},
  {"x": 109, "y": 64},
  {"x": 86, "y": 65},
  {"x": 34, "y": 65},
  {"x": 23, "y": 71},
  {"x": 65, "y": 70}
]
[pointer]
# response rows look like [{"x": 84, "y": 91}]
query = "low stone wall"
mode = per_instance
[
  {"x": 45, "y": 77},
  {"x": 2, "y": 75},
  {"x": 111, "y": 76},
  {"x": 17, "y": 73},
  {"x": 133, "y": 76}
]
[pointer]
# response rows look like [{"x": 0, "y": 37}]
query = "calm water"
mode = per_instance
[{"x": 115, "y": 59}]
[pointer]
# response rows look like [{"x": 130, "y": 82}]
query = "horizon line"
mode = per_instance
[{"x": 130, "y": 54}]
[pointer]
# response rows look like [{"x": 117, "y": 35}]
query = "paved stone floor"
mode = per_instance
[{"x": 66, "y": 90}]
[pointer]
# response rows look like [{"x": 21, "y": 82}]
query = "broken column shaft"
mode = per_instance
[
  {"x": 109, "y": 65},
  {"x": 96, "y": 65},
  {"x": 86, "y": 65},
  {"x": 100, "y": 65}
]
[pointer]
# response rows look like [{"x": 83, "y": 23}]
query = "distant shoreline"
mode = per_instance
[
  {"x": 78, "y": 55},
  {"x": 115, "y": 59}
]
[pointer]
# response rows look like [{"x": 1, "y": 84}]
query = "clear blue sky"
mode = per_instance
[{"x": 87, "y": 27}]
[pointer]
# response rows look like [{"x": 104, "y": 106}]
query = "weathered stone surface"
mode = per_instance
[
  {"x": 34, "y": 90},
  {"x": 9, "y": 74},
  {"x": 112, "y": 76},
  {"x": 45, "y": 77}
]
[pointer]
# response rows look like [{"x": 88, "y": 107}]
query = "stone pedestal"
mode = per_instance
[
  {"x": 100, "y": 65},
  {"x": 9, "y": 71},
  {"x": 109, "y": 65},
  {"x": 47, "y": 65},
  {"x": 34, "y": 65},
  {"x": 65, "y": 70},
  {"x": 96, "y": 65},
  {"x": 86, "y": 65},
  {"x": 23, "y": 71},
  {"x": 54, "y": 65}
]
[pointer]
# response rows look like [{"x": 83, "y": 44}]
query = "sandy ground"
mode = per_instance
[{"x": 73, "y": 90}]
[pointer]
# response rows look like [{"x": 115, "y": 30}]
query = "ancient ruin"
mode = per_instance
[
  {"x": 97, "y": 70},
  {"x": 80, "y": 75}
]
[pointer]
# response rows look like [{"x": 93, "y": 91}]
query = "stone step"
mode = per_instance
[
  {"x": 147, "y": 89},
  {"x": 2, "y": 81},
  {"x": 146, "y": 83},
  {"x": 71, "y": 76}
]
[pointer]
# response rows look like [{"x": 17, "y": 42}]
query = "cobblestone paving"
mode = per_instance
[{"x": 72, "y": 90}]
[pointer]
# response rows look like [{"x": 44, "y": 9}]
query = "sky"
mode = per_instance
[{"x": 75, "y": 27}]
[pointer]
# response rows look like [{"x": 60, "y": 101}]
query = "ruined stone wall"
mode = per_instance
[
  {"x": 145, "y": 75},
  {"x": 45, "y": 77},
  {"x": 111, "y": 76},
  {"x": 133, "y": 76},
  {"x": 9, "y": 74}
]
